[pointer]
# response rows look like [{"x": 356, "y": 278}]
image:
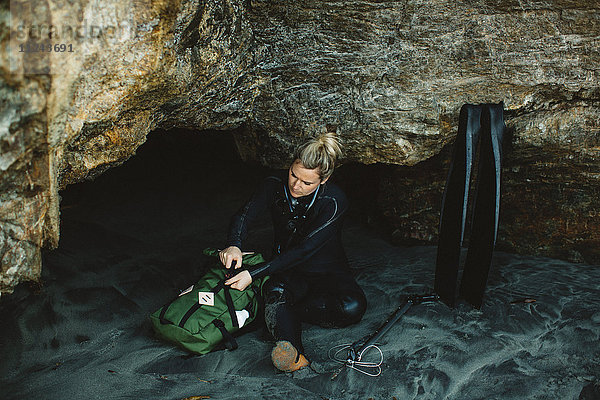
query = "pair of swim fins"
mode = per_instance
[{"x": 481, "y": 127}]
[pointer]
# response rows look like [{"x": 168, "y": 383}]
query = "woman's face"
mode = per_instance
[{"x": 303, "y": 181}]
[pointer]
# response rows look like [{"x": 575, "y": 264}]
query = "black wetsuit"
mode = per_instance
[{"x": 310, "y": 278}]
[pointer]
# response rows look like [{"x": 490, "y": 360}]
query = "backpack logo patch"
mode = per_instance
[{"x": 206, "y": 298}]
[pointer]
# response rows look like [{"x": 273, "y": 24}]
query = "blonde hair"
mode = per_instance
[{"x": 320, "y": 152}]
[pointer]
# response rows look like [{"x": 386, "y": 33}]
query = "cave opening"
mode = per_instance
[
  {"x": 175, "y": 197},
  {"x": 170, "y": 200}
]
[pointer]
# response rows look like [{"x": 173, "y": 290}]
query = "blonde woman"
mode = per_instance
[{"x": 310, "y": 278}]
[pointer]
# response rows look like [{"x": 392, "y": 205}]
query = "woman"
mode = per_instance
[{"x": 310, "y": 278}]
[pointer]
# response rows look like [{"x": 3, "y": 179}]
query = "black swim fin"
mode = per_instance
[
  {"x": 477, "y": 122},
  {"x": 454, "y": 203},
  {"x": 486, "y": 216}
]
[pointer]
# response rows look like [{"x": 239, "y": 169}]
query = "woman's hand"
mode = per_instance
[
  {"x": 230, "y": 254},
  {"x": 240, "y": 281}
]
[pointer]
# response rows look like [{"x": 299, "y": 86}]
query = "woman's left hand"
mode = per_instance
[{"x": 240, "y": 281}]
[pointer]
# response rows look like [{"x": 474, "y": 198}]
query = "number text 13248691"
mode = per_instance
[{"x": 45, "y": 47}]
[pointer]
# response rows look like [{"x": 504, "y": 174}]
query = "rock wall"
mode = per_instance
[{"x": 389, "y": 76}]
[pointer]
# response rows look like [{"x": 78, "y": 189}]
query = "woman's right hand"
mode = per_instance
[{"x": 230, "y": 254}]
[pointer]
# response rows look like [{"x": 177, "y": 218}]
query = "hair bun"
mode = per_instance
[{"x": 320, "y": 152}]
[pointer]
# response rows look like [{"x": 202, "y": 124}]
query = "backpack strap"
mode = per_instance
[
  {"x": 189, "y": 313},
  {"x": 229, "y": 340},
  {"x": 231, "y": 307},
  {"x": 249, "y": 309},
  {"x": 161, "y": 316}
]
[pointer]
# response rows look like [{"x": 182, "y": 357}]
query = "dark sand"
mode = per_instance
[{"x": 132, "y": 238}]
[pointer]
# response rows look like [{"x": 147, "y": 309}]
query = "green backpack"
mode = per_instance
[{"x": 200, "y": 328}]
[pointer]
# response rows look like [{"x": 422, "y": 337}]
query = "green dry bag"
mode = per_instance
[{"x": 206, "y": 314}]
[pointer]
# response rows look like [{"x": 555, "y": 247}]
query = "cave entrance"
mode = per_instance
[
  {"x": 161, "y": 207},
  {"x": 175, "y": 197}
]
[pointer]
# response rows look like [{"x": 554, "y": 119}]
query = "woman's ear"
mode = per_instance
[{"x": 325, "y": 180}]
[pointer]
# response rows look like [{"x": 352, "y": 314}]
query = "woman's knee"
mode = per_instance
[
  {"x": 279, "y": 289},
  {"x": 274, "y": 291},
  {"x": 352, "y": 308}
]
